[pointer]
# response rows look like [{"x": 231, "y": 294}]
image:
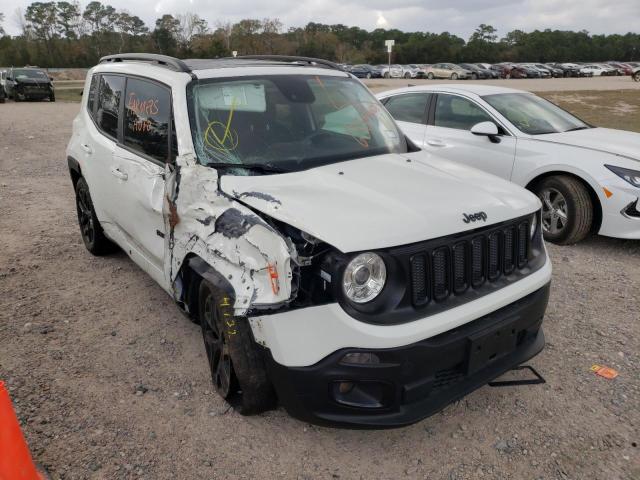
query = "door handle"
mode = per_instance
[
  {"x": 436, "y": 143},
  {"x": 86, "y": 148},
  {"x": 119, "y": 174}
]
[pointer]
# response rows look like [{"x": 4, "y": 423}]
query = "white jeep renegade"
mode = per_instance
[{"x": 333, "y": 266}]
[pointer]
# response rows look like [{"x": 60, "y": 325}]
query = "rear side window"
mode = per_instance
[
  {"x": 91, "y": 100},
  {"x": 148, "y": 121},
  {"x": 109, "y": 98},
  {"x": 408, "y": 108}
]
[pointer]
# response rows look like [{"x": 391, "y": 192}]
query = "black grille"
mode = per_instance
[{"x": 469, "y": 263}]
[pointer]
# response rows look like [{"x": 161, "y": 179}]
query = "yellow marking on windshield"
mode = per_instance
[{"x": 229, "y": 140}]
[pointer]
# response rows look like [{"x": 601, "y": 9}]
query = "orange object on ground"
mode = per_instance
[
  {"x": 605, "y": 372},
  {"x": 15, "y": 459}
]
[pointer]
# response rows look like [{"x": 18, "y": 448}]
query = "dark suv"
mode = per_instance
[{"x": 28, "y": 83}]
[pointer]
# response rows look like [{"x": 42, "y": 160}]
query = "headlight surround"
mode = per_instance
[
  {"x": 534, "y": 225},
  {"x": 628, "y": 175},
  {"x": 364, "y": 277}
]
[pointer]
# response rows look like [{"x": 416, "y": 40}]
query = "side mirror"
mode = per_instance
[{"x": 486, "y": 129}]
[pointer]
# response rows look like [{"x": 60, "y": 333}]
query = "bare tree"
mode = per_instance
[
  {"x": 190, "y": 25},
  {"x": 226, "y": 31}
]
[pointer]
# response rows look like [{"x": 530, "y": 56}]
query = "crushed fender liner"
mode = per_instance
[{"x": 251, "y": 256}]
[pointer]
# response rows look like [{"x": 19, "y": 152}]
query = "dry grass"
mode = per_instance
[
  {"x": 603, "y": 108},
  {"x": 68, "y": 94}
]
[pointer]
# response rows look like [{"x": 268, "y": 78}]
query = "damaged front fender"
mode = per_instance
[{"x": 234, "y": 241}]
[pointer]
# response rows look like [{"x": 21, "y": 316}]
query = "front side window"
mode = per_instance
[
  {"x": 291, "y": 122},
  {"x": 109, "y": 96},
  {"x": 408, "y": 108},
  {"x": 147, "y": 121},
  {"x": 459, "y": 113},
  {"x": 534, "y": 115}
]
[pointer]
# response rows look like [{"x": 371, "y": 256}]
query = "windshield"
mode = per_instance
[
  {"x": 534, "y": 115},
  {"x": 288, "y": 123},
  {"x": 28, "y": 73}
]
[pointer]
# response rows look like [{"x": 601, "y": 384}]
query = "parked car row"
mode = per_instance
[
  {"x": 481, "y": 71},
  {"x": 26, "y": 83}
]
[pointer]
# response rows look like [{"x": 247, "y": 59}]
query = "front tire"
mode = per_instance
[
  {"x": 92, "y": 234},
  {"x": 386, "y": 75},
  {"x": 454, "y": 76},
  {"x": 636, "y": 77},
  {"x": 474, "y": 76},
  {"x": 567, "y": 209},
  {"x": 237, "y": 364}
]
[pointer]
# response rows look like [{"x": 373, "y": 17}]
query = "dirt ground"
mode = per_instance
[{"x": 110, "y": 381}]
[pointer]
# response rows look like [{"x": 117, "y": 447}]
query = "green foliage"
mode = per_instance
[{"x": 59, "y": 34}]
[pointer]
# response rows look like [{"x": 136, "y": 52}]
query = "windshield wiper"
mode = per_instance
[
  {"x": 255, "y": 167},
  {"x": 584, "y": 127}
]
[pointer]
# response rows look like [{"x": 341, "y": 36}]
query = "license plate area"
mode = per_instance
[{"x": 490, "y": 345}]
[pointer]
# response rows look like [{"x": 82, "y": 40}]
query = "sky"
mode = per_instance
[{"x": 459, "y": 17}]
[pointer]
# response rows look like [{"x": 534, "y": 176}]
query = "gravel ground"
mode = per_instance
[{"x": 110, "y": 381}]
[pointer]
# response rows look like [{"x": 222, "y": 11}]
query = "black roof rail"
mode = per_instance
[
  {"x": 162, "y": 60},
  {"x": 291, "y": 59}
]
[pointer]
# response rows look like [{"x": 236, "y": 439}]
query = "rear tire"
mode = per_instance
[
  {"x": 92, "y": 234},
  {"x": 236, "y": 363},
  {"x": 567, "y": 209},
  {"x": 386, "y": 74},
  {"x": 636, "y": 77}
]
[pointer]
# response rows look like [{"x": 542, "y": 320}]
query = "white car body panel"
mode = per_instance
[
  {"x": 582, "y": 153},
  {"x": 335, "y": 202}
]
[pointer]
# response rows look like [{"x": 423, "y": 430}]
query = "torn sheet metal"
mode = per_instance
[{"x": 231, "y": 238}]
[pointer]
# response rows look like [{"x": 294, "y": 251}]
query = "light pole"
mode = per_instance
[{"x": 389, "y": 44}]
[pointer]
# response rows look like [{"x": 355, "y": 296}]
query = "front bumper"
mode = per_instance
[
  {"x": 413, "y": 381},
  {"x": 620, "y": 212}
]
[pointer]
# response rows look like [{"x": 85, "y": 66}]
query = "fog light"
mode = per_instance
[
  {"x": 360, "y": 358},
  {"x": 367, "y": 394},
  {"x": 345, "y": 387}
]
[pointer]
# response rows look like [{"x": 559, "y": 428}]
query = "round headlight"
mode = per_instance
[
  {"x": 534, "y": 224},
  {"x": 364, "y": 277}
]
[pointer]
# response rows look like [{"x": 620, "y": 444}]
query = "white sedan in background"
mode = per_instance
[
  {"x": 588, "y": 178},
  {"x": 594, "y": 70}
]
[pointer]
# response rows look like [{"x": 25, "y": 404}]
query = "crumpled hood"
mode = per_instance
[
  {"x": 382, "y": 201},
  {"x": 617, "y": 142}
]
